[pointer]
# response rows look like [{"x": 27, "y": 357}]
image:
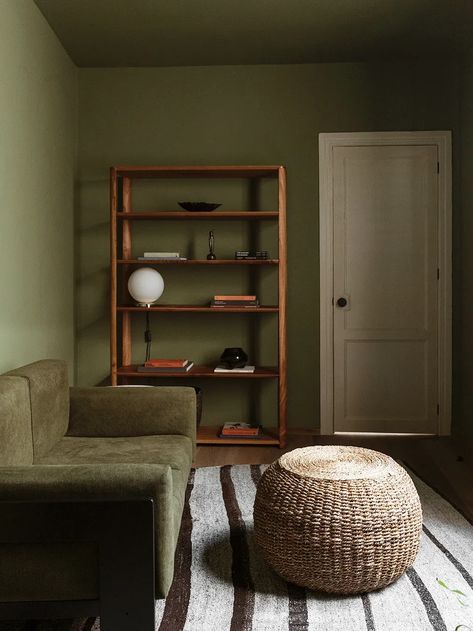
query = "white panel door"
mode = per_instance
[{"x": 385, "y": 315}]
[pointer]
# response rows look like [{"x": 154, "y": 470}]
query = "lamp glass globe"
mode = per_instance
[{"x": 145, "y": 285}]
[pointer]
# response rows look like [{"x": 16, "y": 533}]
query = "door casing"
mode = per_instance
[{"x": 443, "y": 141}]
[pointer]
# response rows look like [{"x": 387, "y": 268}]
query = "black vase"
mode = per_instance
[{"x": 234, "y": 358}]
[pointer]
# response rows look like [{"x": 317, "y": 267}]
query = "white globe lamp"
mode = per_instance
[{"x": 146, "y": 286}]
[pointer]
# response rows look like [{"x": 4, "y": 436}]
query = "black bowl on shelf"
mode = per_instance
[{"x": 198, "y": 207}]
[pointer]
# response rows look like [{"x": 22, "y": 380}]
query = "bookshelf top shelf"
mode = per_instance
[{"x": 241, "y": 171}]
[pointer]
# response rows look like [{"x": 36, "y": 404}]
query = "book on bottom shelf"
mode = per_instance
[{"x": 240, "y": 430}]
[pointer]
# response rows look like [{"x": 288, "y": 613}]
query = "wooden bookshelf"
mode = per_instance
[{"x": 121, "y": 218}]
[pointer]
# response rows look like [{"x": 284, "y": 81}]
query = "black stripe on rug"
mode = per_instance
[
  {"x": 244, "y": 591},
  {"x": 365, "y": 599},
  {"x": 177, "y": 601},
  {"x": 431, "y": 608},
  {"x": 298, "y": 614},
  {"x": 463, "y": 571},
  {"x": 89, "y": 624},
  {"x": 255, "y": 470}
]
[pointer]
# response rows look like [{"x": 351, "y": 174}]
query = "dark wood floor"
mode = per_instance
[{"x": 446, "y": 464}]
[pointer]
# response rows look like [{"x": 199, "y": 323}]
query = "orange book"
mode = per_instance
[
  {"x": 234, "y": 297},
  {"x": 166, "y": 363}
]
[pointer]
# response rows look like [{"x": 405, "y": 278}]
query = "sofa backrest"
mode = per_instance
[
  {"x": 16, "y": 439},
  {"x": 49, "y": 397}
]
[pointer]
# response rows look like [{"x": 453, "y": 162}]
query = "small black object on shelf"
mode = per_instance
[
  {"x": 234, "y": 357},
  {"x": 198, "y": 207},
  {"x": 211, "y": 256}
]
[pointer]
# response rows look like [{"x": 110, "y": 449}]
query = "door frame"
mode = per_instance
[{"x": 327, "y": 142}]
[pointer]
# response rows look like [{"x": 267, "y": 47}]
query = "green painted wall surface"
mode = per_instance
[
  {"x": 38, "y": 114},
  {"x": 232, "y": 115},
  {"x": 465, "y": 357}
]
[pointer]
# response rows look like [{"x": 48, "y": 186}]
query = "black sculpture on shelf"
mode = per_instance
[
  {"x": 211, "y": 255},
  {"x": 234, "y": 357}
]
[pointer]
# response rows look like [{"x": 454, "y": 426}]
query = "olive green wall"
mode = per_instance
[
  {"x": 232, "y": 115},
  {"x": 465, "y": 416},
  {"x": 38, "y": 121}
]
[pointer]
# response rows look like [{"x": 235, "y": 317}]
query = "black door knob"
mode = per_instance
[{"x": 342, "y": 302}]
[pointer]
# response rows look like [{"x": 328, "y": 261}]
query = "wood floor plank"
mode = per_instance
[{"x": 445, "y": 463}]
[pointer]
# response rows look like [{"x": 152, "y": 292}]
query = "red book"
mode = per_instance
[{"x": 166, "y": 363}]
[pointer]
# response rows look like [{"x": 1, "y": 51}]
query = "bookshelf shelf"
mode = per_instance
[
  {"x": 198, "y": 309},
  {"x": 208, "y": 435},
  {"x": 200, "y": 371},
  {"x": 198, "y": 262},
  {"x": 122, "y": 262},
  {"x": 177, "y": 214}
]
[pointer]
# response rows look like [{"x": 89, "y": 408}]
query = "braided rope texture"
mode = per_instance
[{"x": 338, "y": 519}]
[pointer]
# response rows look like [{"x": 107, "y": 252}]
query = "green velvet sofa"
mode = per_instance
[{"x": 61, "y": 444}]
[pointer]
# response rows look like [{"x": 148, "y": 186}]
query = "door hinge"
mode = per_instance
[
  {"x": 438, "y": 409},
  {"x": 438, "y": 273},
  {"x": 438, "y": 167}
]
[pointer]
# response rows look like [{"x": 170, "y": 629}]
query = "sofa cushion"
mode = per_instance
[
  {"x": 175, "y": 451},
  {"x": 49, "y": 398},
  {"x": 16, "y": 442}
]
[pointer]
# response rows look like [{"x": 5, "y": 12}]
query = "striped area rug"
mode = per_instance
[{"x": 223, "y": 584}]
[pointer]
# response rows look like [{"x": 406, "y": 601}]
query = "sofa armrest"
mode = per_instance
[
  {"x": 98, "y": 482},
  {"x": 87, "y": 482},
  {"x": 109, "y": 412}
]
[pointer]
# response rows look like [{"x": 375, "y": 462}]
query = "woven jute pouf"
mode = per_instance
[{"x": 338, "y": 519}]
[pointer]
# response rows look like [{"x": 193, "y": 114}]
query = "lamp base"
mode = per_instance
[{"x": 145, "y": 304}]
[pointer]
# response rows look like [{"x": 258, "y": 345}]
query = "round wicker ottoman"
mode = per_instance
[{"x": 337, "y": 519}]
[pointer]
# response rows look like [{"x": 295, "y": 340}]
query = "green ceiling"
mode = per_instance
[{"x": 216, "y": 32}]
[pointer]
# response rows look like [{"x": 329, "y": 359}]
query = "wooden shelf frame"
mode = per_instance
[
  {"x": 209, "y": 435},
  {"x": 199, "y": 371},
  {"x": 241, "y": 171},
  {"x": 185, "y": 215},
  {"x": 200, "y": 309},
  {"x": 152, "y": 262},
  {"x": 121, "y": 220}
]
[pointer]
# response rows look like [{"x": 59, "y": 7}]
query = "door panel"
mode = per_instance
[{"x": 385, "y": 263}]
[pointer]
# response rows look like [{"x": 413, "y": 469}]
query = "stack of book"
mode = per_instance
[
  {"x": 240, "y": 430},
  {"x": 162, "y": 256},
  {"x": 222, "y": 368},
  {"x": 253, "y": 255},
  {"x": 166, "y": 365},
  {"x": 234, "y": 301}
]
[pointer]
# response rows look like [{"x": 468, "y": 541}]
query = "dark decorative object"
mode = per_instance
[
  {"x": 211, "y": 255},
  {"x": 198, "y": 207},
  {"x": 234, "y": 358}
]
